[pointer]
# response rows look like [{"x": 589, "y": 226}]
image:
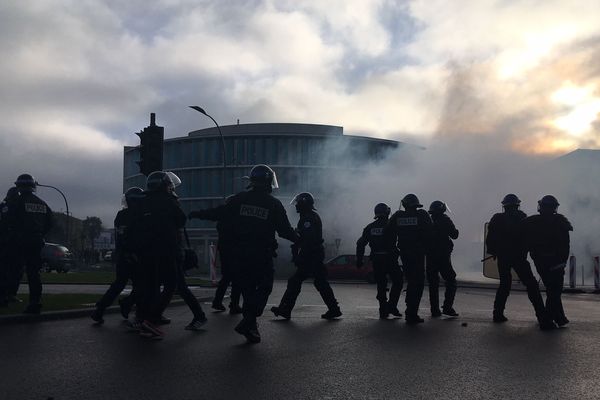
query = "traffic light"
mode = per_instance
[{"x": 151, "y": 147}]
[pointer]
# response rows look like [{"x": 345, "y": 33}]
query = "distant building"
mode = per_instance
[{"x": 299, "y": 154}]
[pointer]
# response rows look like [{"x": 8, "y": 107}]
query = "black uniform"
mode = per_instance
[
  {"x": 308, "y": 254},
  {"x": 505, "y": 241},
  {"x": 439, "y": 262},
  {"x": 32, "y": 221},
  {"x": 384, "y": 256},
  {"x": 157, "y": 228},
  {"x": 547, "y": 239},
  {"x": 255, "y": 215},
  {"x": 126, "y": 262},
  {"x": 412, "y": 231},
  {"x": 8, "y": 285}
]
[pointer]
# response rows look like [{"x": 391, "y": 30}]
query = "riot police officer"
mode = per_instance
[
  {"x": 308, "y": 255},
  {"x": 411, "y": 229},
  {"x": 547, "y": 239},
  {"x": 8, "y": 286},
  {"x": 384, "y": 256},
  {"x": 439, "y": 262},
  {"x": 125, "y": 257},
  {"x": 32, "y": 221},
  {"x": 157, "y": 225},
  {"x": 255, "y": 217},
  {"x": 505, "y": 242}
]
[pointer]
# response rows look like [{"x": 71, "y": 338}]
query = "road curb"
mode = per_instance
[{"x": 70, "y": 314}]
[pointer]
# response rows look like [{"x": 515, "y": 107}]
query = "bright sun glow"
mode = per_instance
[{"x": 582, "y": 109}]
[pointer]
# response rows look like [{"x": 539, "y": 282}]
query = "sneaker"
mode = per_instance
[
  {"x": 414, "y": 319},
  {"x": 436, "y": 313},
  {"x": 125, "y": 308},
  {"x": 163, "y": 320},
  {"x": 282, "y": 312},
  {"x": 196, "y": 324},
  {"x": 499, "y": 318},
  {"x": 234, "y": 309},
  {"x": 151, "y": 330},
  {"x": 97, "y": 316},
  {"x": 450, "y": 312},
  {"x": 218, "y": 306},
  {"x": 33, "y": 309},
  {"x": 151, "y": 335},
  {"x": 134, "y": 326},
  {"x": 395, "y": 312},
  {"x": 332, "y": 313}
]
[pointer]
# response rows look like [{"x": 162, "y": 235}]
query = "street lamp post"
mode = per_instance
[
  {"x": 66, "y": 205},
  {"x": 201, "y": 110}
]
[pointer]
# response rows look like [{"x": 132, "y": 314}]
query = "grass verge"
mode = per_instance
[{"x": 54, "y": 302}]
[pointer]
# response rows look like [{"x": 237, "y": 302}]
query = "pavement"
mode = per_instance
[{"x": 356, "y": 357}]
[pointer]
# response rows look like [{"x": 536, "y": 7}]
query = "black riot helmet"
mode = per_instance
[
  {"x": 437, "y": 207},
  {"x": 262, "y": 177},
  {"x": 548, "y": 204},
  {"x": 411, "y": 201},
  {"x": 159, "y": 181},
  {"x": 131, "y": 195},
  {"x": 12, "y": 194},
  {"x": 26, "y": 183},
  {"x": 304, "y": 202},
  {"x": 382, "y": 210},
  {"x": 511, "y": 201}
]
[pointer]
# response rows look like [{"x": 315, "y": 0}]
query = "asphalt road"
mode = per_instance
[{"x": 357, "y": 357}]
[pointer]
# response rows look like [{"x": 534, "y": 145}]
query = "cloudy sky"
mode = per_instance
[{"x": 79, "y": 77}]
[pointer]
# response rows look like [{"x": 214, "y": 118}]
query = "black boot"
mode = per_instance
[
  {"x": 449, "y": 311},
  {"x": 332, "y": 313},
  {"x": 97, "y": 315},
  {"x": 436, "y": 313},
  {"x": 282, "y": 311},
  {"x": 234, "y": 309},
  {"x": 499, "y": 317}
]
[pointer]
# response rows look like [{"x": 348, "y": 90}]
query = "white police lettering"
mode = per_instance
[
  {"x": 376, "y": 231},
  {"x": 35, "y": 208},
  {"x": 254, "y": 211},
  {"x": 307, "y": 224},
  {"x": 408, "y": 221}
]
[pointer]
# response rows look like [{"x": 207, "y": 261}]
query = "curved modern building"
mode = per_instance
[{"x": 300, "y": 154}]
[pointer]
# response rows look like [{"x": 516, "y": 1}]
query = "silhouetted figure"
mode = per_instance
[
  {"x": 156, "y": 230},
  {"x": 255, "y": 215},
  {"x": 505, "y": 242},
  {"x": 384, "y": 257},
  {"x": 125, "y": 257},
  {"x": 547, "y": 240},
  {"x": 411, "y": 229},
  {"x": 9, "y": 269},
  {"x": 225, "y": 246},
  {"x": 439, "y": 262},
  {"x": 308, "y": 255},
  {"x": 32, "y": 221}
]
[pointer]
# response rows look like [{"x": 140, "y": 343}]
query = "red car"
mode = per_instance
[{"x": 344, "y": 267}]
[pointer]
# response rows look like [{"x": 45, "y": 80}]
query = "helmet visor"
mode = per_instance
[
  {"x": 274, "y": 183},
  {"x": 174, "y": 178}
]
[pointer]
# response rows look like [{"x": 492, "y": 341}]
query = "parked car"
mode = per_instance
[
  {"x": 344, "y": 267},
  {"x": 56, "y": 257}
]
